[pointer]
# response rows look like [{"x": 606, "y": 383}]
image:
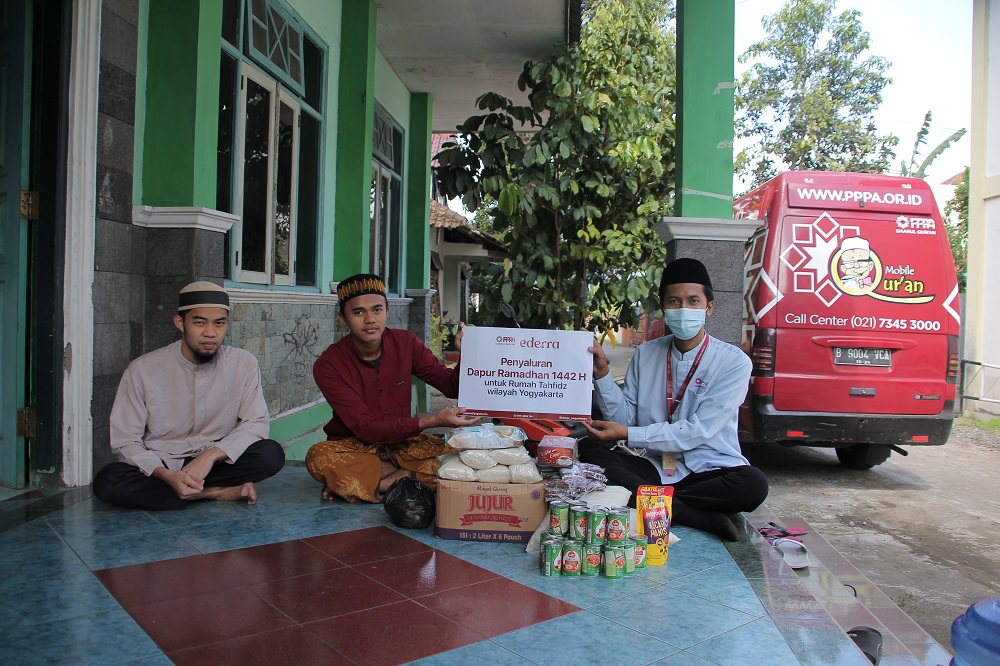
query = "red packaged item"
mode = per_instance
[{"x": 555, "y": 451}]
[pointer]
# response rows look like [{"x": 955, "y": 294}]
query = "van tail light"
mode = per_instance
[
  {"x": 762, "y": 353},
  {"x": 953, "y": 359}
]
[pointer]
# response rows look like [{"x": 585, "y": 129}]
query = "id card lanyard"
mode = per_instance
[
  {"x": 672, "y": 404},
  {"x": 669, "y": 462}
]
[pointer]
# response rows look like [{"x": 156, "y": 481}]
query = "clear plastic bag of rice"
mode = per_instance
[
  {"x": 524, "y": 473},
  {"x": 496, "y": 474},
  {"x": 477, "y": 459},
  {"x": 485, "y": 436},
  {"x": 454, "y": 469},
  {"x": 516, "y": 455}
]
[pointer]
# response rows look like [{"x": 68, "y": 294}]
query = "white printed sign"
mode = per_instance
[{"x": 526, "y": 373}]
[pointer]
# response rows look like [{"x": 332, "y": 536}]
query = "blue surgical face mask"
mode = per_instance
[{"x": 684, "y": 323}]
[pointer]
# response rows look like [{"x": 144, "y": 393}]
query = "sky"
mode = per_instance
[{"x": 929, "y": 44}]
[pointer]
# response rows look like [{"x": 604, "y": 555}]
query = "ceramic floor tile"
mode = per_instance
[
  {"x": 293, "y": 645},
  {"x": 496, "y": 606},
  {"x": 35, "y": 533},
  {"x": 95, "y": 517},
  {"x": 157, "y": 660},
  {"x": 325, "y": 594},
  {"x": 584, "y": 638},
  {"x": 784, "y": 600},
  {"x": 723, "y": 584},
  {"x": 230, "y": 534},
  {"x": 102, "y": 552},
  {"x": 425, "y": 633},
  {"x": 820, "y": 642},
  {"x": 203, "y": 513},
  {"x": 40, "y": 560},
  {"x": 673, "y": 616},
  {"x": 685, "y": 659},
  {"x": 177, "y": 624},
  {"x": 168, "y": 579},
  {"x": 585, "y": 592},
  {"x": 287, "y": 500},
  {"x": 29, "y": 602},
  {"x": 503, "y": 558},
  {"x": 285, "y": 559},
  {"x": 425, "y": 573},
  {"x": 486, "y": 652},
  {"x": 330, "y": 519},
  {"x": 99, "y": 638},
  {"x": 744, "y": 644},
  {"x": 367, "y": 545}
]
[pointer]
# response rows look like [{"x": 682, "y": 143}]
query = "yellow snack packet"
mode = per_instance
[{"x": 653, "y": 506}]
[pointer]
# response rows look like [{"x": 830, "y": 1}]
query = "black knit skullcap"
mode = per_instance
[
  {"x": 359, "y": 285},
  {"x": 202, "y": 295}
]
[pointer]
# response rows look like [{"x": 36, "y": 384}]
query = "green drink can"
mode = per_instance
[
  {"x": 640, "y": 550},
  {"x": 614, "y": 561},
  {"x": 572, "y": 558},
  {"x": 617, "y": 525},
  {"x": 552, "y": 558},
  {"x": 592, "y": 559},
  {"x": 559, "y": 517},
  {"x": 578, "y": 521},
  {"x": 628, "y": 517},
  {"x": 597, "y": 525},
  {"x": 629, "y": 547}
]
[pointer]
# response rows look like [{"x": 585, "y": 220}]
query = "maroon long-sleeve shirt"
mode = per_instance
[{"x": 372, "y": 403}]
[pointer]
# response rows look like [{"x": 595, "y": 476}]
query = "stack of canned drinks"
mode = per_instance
[{"x": 588, "y": 542}]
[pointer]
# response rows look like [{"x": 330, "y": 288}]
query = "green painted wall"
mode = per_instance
[
  {"x": 140, "y": 100},
  {"x": 355, "y": 108},
  {"x": 418, "y": 193},
  {"x": 182, "y": 103},
  {"x": 705, "y": 55}
]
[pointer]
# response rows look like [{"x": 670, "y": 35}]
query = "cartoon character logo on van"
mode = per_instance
[{"x": 856, "y": 269}]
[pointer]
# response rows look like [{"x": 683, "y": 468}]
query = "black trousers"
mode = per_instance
[
  {"x": 729, "y": 490},
  {"x": 126, "y": 485}
]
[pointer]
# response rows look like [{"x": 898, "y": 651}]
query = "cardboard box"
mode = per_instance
[{"x": 480, "y": 511}]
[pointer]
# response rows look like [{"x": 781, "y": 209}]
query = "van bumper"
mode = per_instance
[{"x": 832, "y": 429}]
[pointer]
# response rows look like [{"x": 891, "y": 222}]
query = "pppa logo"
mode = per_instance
[
  {"x": 506, "y": 341},
  {"x": 902, "y": 222}
]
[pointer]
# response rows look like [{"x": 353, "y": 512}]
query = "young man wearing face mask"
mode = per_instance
[{"x": 679, "y": 404}]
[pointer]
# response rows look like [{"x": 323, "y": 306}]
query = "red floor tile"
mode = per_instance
[
  {"x": 425, "y": 573},
  {"x": 413, "y": 632},
  {"x": 273, "y": 561},
  {"x": 367, "y": 545},
  {"x": 163, "y": 580},
  {"x": 177, "y": 624},
  {"x": 325, "y": 594},
  {"x": 497, "y": 606},
  {"x": 293, "y": 645}
]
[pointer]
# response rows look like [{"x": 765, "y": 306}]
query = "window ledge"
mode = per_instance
[{"x": 183, "y": 217}]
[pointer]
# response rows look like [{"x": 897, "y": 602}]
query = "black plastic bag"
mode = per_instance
[{"x": 409, "y": 503}]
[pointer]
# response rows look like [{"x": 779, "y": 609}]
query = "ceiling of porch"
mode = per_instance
[{"x": 458, "y": 49}]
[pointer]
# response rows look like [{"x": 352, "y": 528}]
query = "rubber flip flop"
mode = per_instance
[
  {"x": 794, "y": 552},
  {"x": 772, "y": 531},
  {"x": 869, "y": 641}
]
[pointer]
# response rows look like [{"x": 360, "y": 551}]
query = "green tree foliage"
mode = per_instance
[
  {"x": 580, "y": 174},
  {"x": 917, "y": 169},
  {"x": 956, "y": 212},
  {"x": 808, "y": 99}
]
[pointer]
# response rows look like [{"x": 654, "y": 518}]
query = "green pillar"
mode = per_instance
[
  {"x": 182, "y": 103},
  {"x": 418, "y": 193},
  {"x": 355, "y": 117},
  {"x": 705, "y": 54}
]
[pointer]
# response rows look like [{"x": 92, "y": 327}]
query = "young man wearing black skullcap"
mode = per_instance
[
  {"x": 373, "y": 439},
  {"x": 189, "y": 420},
  {"x": 680, "y": 403}
]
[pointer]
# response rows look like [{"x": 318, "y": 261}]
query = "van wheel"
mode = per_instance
[{"x": 863, "y": 456}]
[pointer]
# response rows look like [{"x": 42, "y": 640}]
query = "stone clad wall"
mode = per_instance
[{"x": 287, "y": 338}]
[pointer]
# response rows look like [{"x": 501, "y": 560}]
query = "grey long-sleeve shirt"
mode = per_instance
[{"x": 168, "y": 409}]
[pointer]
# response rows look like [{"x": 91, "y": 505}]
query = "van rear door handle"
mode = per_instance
[{"x": 863, "y": 392}]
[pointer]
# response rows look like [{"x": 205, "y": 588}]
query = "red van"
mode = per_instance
[{"x": 851, "y": 315}]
